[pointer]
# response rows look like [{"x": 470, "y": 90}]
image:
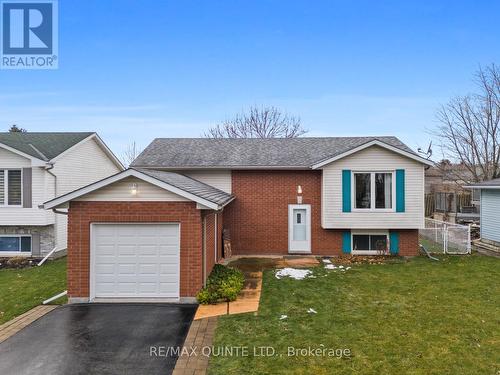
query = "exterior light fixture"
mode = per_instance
[
  {"x": 133, "y": 189},
  {"x": 299, "y": 194}
]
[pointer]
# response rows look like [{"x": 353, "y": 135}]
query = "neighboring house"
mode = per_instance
[
  {"x": 490, "y": 210},
  {"x": 156, "y": 229},
  {"x": 446, "y": 199},
  {"x": 36, "y": 167}
]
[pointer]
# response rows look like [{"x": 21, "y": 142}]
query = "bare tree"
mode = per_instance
[
  {"x": 16, "y": 129},
  {"x": 263, "y": 122},
  {"x": 130, "y": 154},
  {"x": 469, "y": 128}
]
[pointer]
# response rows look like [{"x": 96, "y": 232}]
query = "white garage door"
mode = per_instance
[{"x": 135, "y": 260}]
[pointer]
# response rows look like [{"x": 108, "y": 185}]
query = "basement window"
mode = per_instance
[{"x": 15, "y": 243}]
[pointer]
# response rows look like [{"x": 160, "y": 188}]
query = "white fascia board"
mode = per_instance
[
  {"x": 36, "y": 162},
  {"x": 56, "y": 202},
  {"x": 369, "y": 144},
  {"x": 108, "y": 151}
]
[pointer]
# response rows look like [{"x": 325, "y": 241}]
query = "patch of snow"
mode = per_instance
[
  {"x": 330, "y": 266},
  {"x": 293, "y": 273},
  {"x": 328, "y": 261},
  {"x": 341, "y": 266},
  {"x": 283, "y": 317},
  {"x": 348, "y": 268},
  {"x": 312, "y": 311}
]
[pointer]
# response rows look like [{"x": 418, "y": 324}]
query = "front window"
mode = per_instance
[
  {"x": 10, "y": 187},
  {"x": 369, "y": 242},
  {"x": 373, "y": 190},
  {"x": 15, "y": 244}
]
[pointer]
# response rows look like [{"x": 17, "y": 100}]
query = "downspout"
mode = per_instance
[
  {"x": 215, "y": 238},
  {"x": 48, "y": 169},
  {"x": 204, "y": 251}
]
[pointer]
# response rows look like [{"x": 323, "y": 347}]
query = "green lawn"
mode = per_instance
[
  {"x": 23, "y": 289},
  {"x": 413, "y": 317}
]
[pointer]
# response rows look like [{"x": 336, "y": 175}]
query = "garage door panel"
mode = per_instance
[
  {"x": 105, "y": 269},
  {"x": 136, "y": 260},
  {"x": 167, "y": 269}
]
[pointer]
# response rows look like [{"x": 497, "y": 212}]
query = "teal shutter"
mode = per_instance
[
  {"x": 400, "y": 190},
  {"x": 346, "y": 190},
  {"x": 394, "y": 242},
  {"x": 346, "y": 242}
]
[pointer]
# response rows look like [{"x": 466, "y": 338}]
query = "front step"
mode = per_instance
[{"x": 481, "y": 246}]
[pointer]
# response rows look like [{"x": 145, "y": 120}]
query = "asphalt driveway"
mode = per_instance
[{"x": 99, "y": 339}]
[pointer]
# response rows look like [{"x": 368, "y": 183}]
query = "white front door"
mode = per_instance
[
  {"x": 135, "y": 260},
  {"x": 299, "y": 228}
]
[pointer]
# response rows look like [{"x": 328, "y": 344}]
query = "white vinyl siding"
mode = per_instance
[
  {"x": 121, "y": 191},
  {"x": 9, "y": 159},
  {"x": 490, "y": 207},
  {"x": 84, "y": 164},
  {"x": 17, "y": 215},
  {"x": 220, "y": 179},
  {"x": 371, "y": 159}
]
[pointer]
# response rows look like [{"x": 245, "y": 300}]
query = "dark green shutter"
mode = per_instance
[
  {"x": 346, "y": 242},
  {"x": 394, "y": 242},
  {"x": 400, "y": 190},
  {"x": 346, "y": 190}
]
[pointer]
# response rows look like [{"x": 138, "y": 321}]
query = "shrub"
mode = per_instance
[{"x": 223, "y": 284}]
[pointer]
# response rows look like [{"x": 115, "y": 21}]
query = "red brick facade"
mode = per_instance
[
  {"x": 257, "y": 221},
  {"x": 258, "y": 218},
  {"x": 82, "y": 214}
]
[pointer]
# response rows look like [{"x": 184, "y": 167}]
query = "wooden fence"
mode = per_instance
[{"x": 446, "y": 202}]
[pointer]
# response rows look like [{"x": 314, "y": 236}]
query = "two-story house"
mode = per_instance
[
  {"x": 36, "y": 167},
  {"x": 156, "y": 230}
]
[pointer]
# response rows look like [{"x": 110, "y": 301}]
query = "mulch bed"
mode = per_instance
[{"x": 17, "y": 262}]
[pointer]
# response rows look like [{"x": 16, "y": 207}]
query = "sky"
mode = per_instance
[{"x": 136, "y": 70}]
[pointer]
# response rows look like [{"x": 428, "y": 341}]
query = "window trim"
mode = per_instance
[
  {"x": 369, "y": 233},
  {"x": 18, "y": 252},
  {"x": 6, "y": 187},
  {"x": 372, "y": 191}
]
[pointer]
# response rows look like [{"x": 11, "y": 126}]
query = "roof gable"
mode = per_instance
[
  {"x": 373, "y": 143},
  {"x": 43, "y": 146},
  {"x": 181, "y": 185}
]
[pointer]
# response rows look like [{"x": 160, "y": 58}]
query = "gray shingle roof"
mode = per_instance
[
  {"x": 45, "y": 146},
  {"x": 190, "y": 185},
  {"x": 250, "y": 152}
]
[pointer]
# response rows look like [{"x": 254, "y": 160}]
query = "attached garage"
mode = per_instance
[
  {"x": 135, "y": 260},
  {"x": 141, "y": 235}
]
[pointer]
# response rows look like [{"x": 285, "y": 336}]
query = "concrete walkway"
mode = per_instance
[{"x": 15, "y": 325}]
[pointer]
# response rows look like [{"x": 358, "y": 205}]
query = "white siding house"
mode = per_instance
[
  {"x": 490, "y": 215},
  {"x": 373, "y": 159},
  {"x": 49, "y": 164}
]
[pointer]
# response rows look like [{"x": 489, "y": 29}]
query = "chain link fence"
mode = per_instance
[{"x": 443, "y": 237}]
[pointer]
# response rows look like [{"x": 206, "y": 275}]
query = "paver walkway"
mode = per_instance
[
  {"x": 248, "y": 299},
  {"x": 194, "y": 360},
  {"x": 15, "y": 325}
]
